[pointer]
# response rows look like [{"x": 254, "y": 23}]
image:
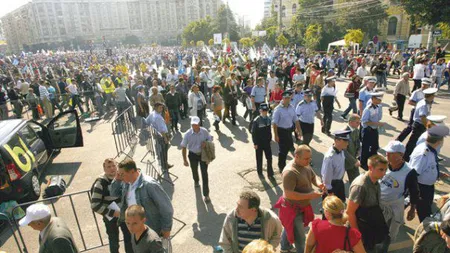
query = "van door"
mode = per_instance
[{"x": 64, "y": 130}]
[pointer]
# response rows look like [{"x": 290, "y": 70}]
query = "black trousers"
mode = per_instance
[
  {"x": 417, "y": 130},
  {"x": 195, "y": 160},
  {"x": 417, "y": 84},
  {"x": 369, "y": 146},
  {"x": 425, "y": 201},
  {"x": 174, "y": 114},
  {"x": 253, "y": 115},
  {"x": 259, "y": 158},
  {"x": 200, "y": 115},
  {"x": 307, "y": 131},
  {"x": 402, "y": 136},
  {"x": 400, "y": 99},
  {"x": 338, "y": 191},
  {"x": 112, "y": 229},
  {"x": 230, "y": 107},
  {"x": 327, "y": 103},
  {"x": 285, "y": 144},
  {"x": 184, "y": 102}
]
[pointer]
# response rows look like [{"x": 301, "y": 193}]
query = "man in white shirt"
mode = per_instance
[
  {"x": 438, "y": 71},
  {"x": 362, "y": 71},
  {"x": 271, "y": 81}
]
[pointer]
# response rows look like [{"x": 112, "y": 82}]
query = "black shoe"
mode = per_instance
[
  {"x": 233, "y": 123},
  {"x": 169, "y": 166}
]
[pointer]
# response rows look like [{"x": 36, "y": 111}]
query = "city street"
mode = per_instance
[{"x": 233, "y": 170}]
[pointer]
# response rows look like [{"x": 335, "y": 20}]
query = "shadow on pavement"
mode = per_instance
[{"x": 67, "y": 170}]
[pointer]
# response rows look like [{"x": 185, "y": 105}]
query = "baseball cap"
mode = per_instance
[
  {"x": 395, "y": 147},
  {"x": 35, "y": 212},
  {"x": 195, "y": 120}
]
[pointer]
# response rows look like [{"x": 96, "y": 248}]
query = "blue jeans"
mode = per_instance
[
  {"x": 299, "y": 235},
  {"x": 351, "y": 106}
]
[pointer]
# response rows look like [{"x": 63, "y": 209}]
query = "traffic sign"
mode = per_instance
[{"x": 437, "y": 33}]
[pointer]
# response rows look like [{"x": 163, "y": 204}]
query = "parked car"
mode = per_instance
[{"x": 26, "y": 147}]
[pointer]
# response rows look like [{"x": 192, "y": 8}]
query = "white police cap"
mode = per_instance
[
  {"x": 436, "y": 119},
  {"x": 371, "y": 79},
  {"x": 426, "y": 81},
  {"x": 430, "y": 91},
  {"x": 331, "y": 78},
  {"x": 377, "y": 94}
]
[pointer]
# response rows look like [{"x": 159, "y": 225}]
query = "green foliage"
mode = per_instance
[
  {"x": 313, "y": 36},
  {"x": 282, "y": 41},
  {"x": 198, "y": 30},
  {"x": 211, "y": 42},
  {"x": 131, "y": 40},
  {"x": 445, "y": 27},
  {"x": 200, "y": 43},
  {"x": 225, "y": 22},
  {"x": 354, "y": 35},
  {"x": 429, "y": 12},
  {"x": 226, "y": 41},
  {"x": 154, "y": 44},
  {"x": 192, "y": 43},
  {"x": 246, "y": 42}
]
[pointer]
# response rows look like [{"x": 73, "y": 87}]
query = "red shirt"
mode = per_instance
[
  {"x": 276, "y": 96},
  {"x": 330, "y": 237}
]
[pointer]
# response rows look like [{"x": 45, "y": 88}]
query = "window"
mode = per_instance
[
  {"x": 28, "y": 135},
  {"x": 294, "y": 9},
  {"x": 283, "y": 11},
  {"x": 392, "y": 26}
]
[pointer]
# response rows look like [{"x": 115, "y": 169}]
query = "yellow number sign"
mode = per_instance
[{"x": 24, "y": 151}]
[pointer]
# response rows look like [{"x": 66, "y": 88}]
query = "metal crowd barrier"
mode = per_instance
[
  {"x": 124, "y": 131},
  {"x": 5, "y": 218}
]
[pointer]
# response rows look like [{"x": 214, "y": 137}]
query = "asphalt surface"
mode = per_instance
[{"x": 198, "y": 225}]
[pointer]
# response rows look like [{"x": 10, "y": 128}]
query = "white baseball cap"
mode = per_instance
[
  {"x": 195, "y": 120},
  {"x": 35, "y": 212},
  {"x": 395, "y": 147}
]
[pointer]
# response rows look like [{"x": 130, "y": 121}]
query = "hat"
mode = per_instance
[
  {"x": 331, "y": 71},
  {"x": 35, "y": 212},
  {"x": 430, "y": 91},
  {"x": 342, "y": 134},
  {"x": 426, "y": 81},
  {"x": 438, "y": 130},
  {"x": 436, "y": 119},
  {"x": 405, "y": 74},
  {"x": 195, "y": 120},
  {"x": 307, "y": 92},
  {"x": 378, "y": 95},
  {"x": 371, "y": 79},
  {"x": 264, "y": 107},
  {"x": 395, "y": 147},
  {"x": 331, "y": 78},
  {"x": 287, "y": 94}
]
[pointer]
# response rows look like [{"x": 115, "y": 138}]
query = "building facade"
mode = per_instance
[
  {"x": 267, "y": 8},
  {"x": 53, "y": 21}
]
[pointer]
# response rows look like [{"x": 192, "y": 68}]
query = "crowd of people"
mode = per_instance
[{"x": 284, "y": 92}]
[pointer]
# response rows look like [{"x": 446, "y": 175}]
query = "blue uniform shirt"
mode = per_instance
[
  {"x": 259, "y": 93},
  {"x": 306, "y": 111},
  {"x": 372, "y": 113},
  {"x": 157, "y": 122},
  {"x": 284, "y": 117},
  {"x": 417, "y": 95},
  {"x": 296, "y": 98},
  {"x": 422, "y": 109},
  {"x": 193, "y": 141},
  {"x": 423, "y": 160},
  {"x": 333, "y": 167},
  {"x": 364, "y": 96}
]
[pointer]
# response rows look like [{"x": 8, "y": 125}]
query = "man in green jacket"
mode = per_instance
[{"x": 249, "y": 222}]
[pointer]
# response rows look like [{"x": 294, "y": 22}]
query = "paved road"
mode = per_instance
[{"x": 233, "y": 170}]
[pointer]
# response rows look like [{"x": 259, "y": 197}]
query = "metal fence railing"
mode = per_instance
[
  {"x": 124, "y": 131},
  {"x": 4, "y": 218}
]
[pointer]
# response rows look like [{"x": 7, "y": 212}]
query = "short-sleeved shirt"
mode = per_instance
[
  {"x": 297, "y": 96},
  {"x": 364, "y": 96},
  {"x": 364, "y": 192},
  {"x": 372, "y": 113},
  {"x": 417, "y": 95},
  {"x": 333, "y": 166},
  {"x": 423, "y": 160},
  {"x": 193, "y": 141},
  {"x": 284, "y": 117},
  {"x": 259, "y": 93},
  {"x": 422, "y": 110},
  {"x": 156, "y": 120},
  {"x": 306, "y": 111},
  {"x": 149, "y": 242},
  {"x": 298, "y": 179},
  {"x": 331, "y": 237},
  {"x": 121, "y": 94},
  {"x": 328, "y": 91}
]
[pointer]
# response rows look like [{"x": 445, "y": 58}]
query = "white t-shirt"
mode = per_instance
[
  {"x": 438, "y": 69},
  {"x": 361, "y": 72},
  {"x": 271, "y": 81},
  {"x": 419, "y": 71},
  {"x": 72, "y": 89}
]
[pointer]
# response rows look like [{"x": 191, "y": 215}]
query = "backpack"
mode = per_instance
[{"x": 57, "y": 186}]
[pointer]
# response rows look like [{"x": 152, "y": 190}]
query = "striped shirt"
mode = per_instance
[
  {"x": 247, "y": 233},
  {"x": 101, "y": 197},
  {"x": 43, "y": 92}
]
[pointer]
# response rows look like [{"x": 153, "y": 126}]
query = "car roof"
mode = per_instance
[{"x": 7, "y": 128}]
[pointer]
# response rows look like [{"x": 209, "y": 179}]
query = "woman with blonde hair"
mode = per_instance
[
  {"x": 332, "y": 235},
  {"x": 258, "y": 246}
]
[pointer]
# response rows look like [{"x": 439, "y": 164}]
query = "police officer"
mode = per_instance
[
  {"x": 365, "y": 92},
  {"x": 433, "y": 120},
  {"x": 258, "y": 96},
  {"x": 305, "y": 111},
  {"x": 370, "y": 121},
  {"x": 284, "y": 118},
  {"x": 328, "y": 96},
  {"x": 261, "y": 136},
  {"x": 424, "y": 159},
  {"x": 423, "y": 109},
  {"x": 416, "y": 96},
  {"x": 333, "y": 166},
  {"x": 297, "y": 95}
]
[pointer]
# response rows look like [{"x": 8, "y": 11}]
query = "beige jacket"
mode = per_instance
[{"x": 208, "y": 152}]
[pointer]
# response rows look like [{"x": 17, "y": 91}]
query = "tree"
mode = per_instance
[
  {"x": 192, "y": 43},
  {"x": 198, "y": 30},
  {"x": 445, "y": 30},
  {"x": 354, "y": 35},
  {"x": 429, "y": 12},
  {"x": 154, "y": 44},
  {"x": 131, "y": 40},
  {"x": 282, "y": 41},
  {"x": 200, "y": 43},
  {"x": 211, "y": 42},
  {"x": 313, "y": 36},
  {"x": 246, "y": 42},
  {"x": 225, "y": 22},
  {"x": 226, "y": 41}
]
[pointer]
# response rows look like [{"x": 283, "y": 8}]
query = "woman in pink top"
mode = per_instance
[{"x": 332, "y": 235}]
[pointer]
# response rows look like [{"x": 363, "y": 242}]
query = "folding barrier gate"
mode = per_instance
[{"x": 124, "y": 130}]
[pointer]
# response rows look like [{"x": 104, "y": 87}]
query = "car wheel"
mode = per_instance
[{"x": 35, "y": 187}]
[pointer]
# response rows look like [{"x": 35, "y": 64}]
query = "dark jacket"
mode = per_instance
[
  {"x": 230, "y": 95},
  {"x": 57, "y": 238},
  {"x": 261, "y": 131},
  {"x": 173, "y": 101}
]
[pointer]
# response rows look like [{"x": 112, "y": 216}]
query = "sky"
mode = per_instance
[{"x": 252, "y": 10}]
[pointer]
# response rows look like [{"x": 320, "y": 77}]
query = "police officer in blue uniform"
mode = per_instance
[
  {"x": 262, "y": 136},
  {"x": 423, "y": 109},
  {"x": 333, "y": 166},
  {"x": 370, "y": 122},
  {"x": 297, "y": 95},
  {"x": 424, "y": 159},
  {"x": 306, "y": 110},
  {"x": 365, "y": 93},
  {"x": 284, "y": 118}
]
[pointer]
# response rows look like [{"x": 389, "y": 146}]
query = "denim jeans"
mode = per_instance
[
  {"x": 299, "y": 235},
  {"x": 351, "y": 106}
]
